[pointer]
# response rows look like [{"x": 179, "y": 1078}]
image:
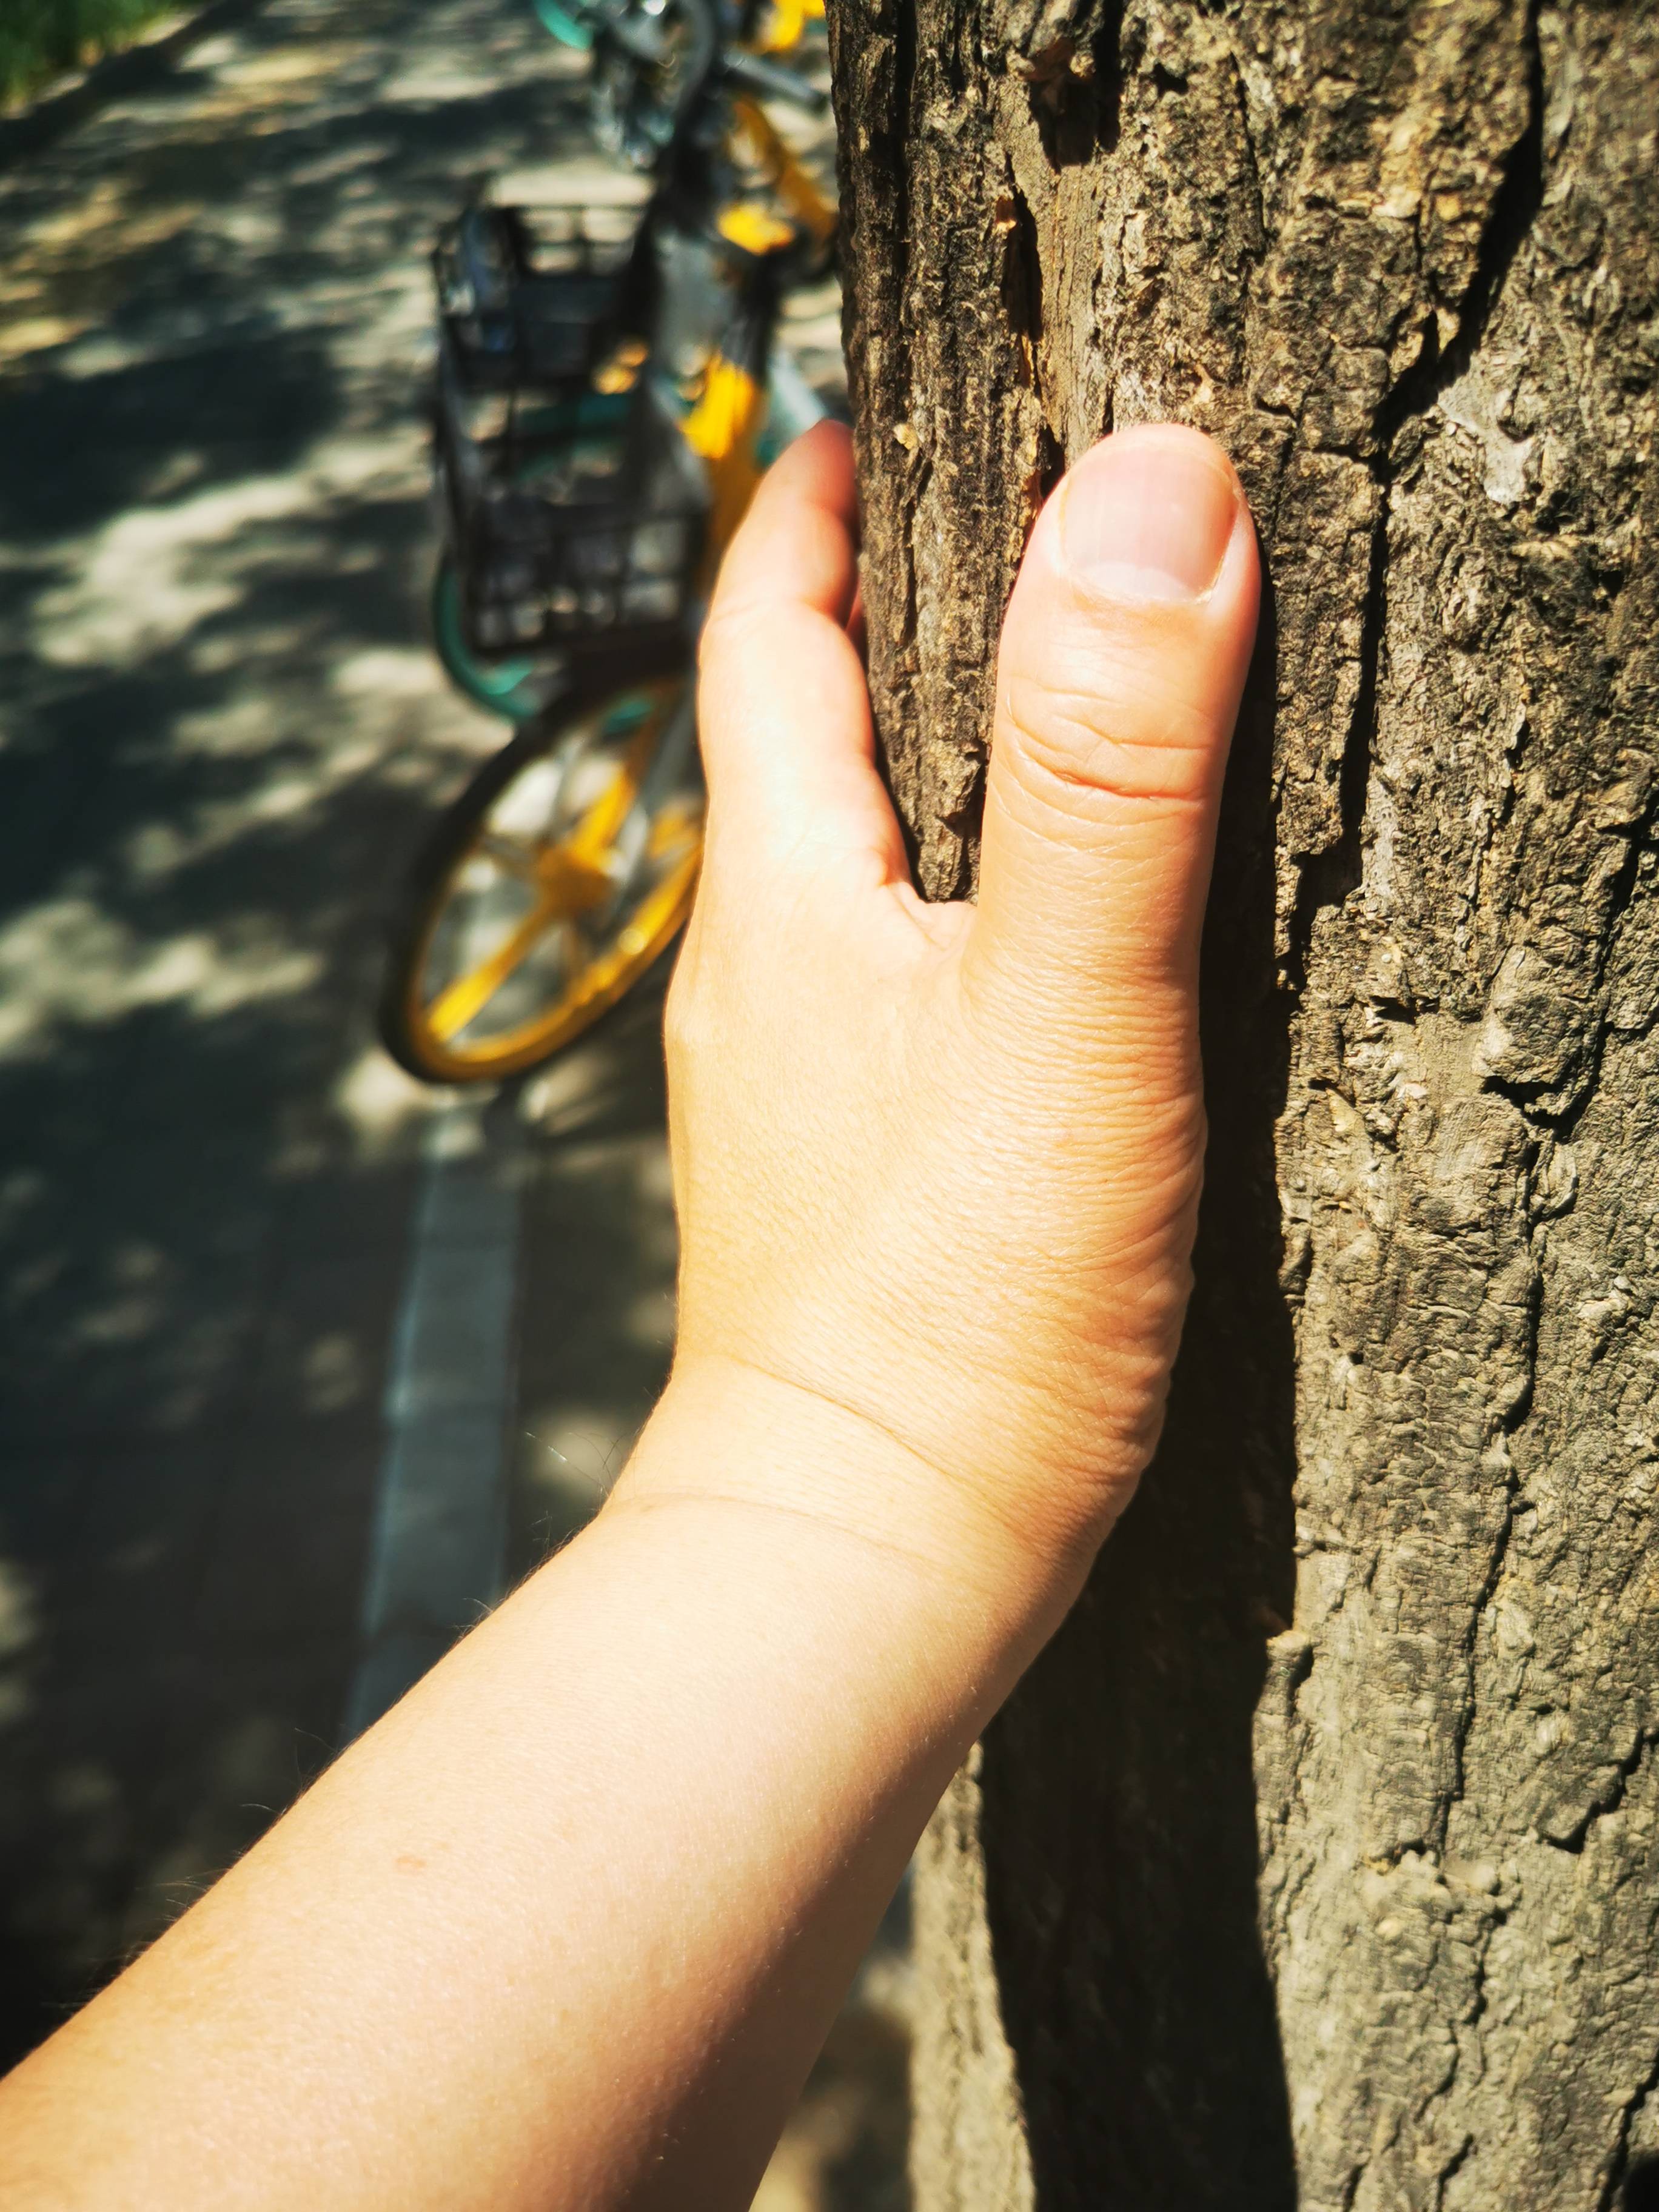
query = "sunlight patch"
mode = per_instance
[
  {"x": 134, "y": 591},
  {"x": 382, "y": 672},
  {"x": 378, "y": 1102},
  {"x": 68, "y": 962},
  {"x": 19, "y": 1620}
]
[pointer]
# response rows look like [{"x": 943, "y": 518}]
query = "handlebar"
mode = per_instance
[
  {"x": 641, "y": 40},
  {"x": 769, "y": 80}
]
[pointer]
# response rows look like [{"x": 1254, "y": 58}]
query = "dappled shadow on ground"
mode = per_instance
[
  {"x": 220, "y": 732},
  {"x": 598, "y": 1256}
]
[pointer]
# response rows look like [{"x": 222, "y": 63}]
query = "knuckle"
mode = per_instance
[
  {"x": 732, "y": 623},
  {"x": 1091, "y": 750}
]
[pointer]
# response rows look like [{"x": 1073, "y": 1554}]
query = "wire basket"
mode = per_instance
[
  {"x": 575, "y": 510},
  {"x": 539, "y": 577},
  {"x": 529, "y": 300}
]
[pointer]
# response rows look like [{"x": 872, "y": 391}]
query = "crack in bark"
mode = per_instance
[
  {"x": 1107, "y": 50},
  {"x": 1574, "y": 1841},
  {"x": 904, "y": 82},
  {"x": 1463, "y": 1728},
  {"x": 1326, "y": 877},
  {"x": 1257, "y": 192},
  {"x": 1514, "y": 209},
  {"x": 1447, "y": 2173},
  {"x": 1619, "y": 2165},
  {"x": 1022, "y": 284},
  {"x": 1514, "y": 1503}
]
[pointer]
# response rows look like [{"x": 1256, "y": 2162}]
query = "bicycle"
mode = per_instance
[
  {"x": 629, "y": 49},
  {"x": 602, "y": 417}
]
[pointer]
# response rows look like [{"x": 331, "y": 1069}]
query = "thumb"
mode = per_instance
[{"x": 1123, "y": 656}]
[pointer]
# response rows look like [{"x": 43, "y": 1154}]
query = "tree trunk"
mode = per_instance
[{"x": 1317, "y": 1862}]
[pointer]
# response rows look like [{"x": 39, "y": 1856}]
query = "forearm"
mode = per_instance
[{"x": 567, "y": 1928}]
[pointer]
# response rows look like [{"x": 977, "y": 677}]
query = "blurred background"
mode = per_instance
[{"x": 302, "y": 1364}]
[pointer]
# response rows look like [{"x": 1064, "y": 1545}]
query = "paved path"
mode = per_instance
[
  {"x": 222, "y": 730},
  {"x": 298, "y": 1363}
]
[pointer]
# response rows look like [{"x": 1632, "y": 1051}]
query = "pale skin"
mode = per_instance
[{"x": 567, "y": 1928}]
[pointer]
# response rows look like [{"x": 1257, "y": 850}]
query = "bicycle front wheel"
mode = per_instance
[{"x": 560, "y": 875}]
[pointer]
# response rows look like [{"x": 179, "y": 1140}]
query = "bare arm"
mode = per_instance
[{"x": 568, "y": 1927}]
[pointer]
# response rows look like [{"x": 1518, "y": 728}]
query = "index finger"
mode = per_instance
[{"x": 784, "y": 711}]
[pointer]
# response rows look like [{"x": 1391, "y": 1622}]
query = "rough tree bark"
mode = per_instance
[{"x": 1318, "y": 1862}]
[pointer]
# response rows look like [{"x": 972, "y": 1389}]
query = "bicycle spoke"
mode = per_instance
[
  {"x": 578, "y": 953},
  {"x": 512, "y": 855},
  {"x": 594, "y": 836},
  {"x": 466, "y": 998}
]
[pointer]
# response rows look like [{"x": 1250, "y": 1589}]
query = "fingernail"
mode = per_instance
[{"x": 1149, "y": 516}]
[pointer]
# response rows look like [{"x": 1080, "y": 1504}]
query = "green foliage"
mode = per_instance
[{"x": 38, "y": 39}]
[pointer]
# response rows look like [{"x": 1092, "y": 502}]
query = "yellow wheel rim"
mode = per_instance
[{"x": 570, "y": 922}]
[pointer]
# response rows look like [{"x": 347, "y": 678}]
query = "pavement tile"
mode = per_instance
[
  {"x": 246, "y": 1732},
  {"x": 39, "y": 1489},
  {"x": 79, "y": 1752},
  {"x": 439, "y": 1566},
  {"x": 136, "y": 1336},
  {"x": 323, "y": 1338},
  {"x": 460, "y": 1327},
  {"x": 599, "y": 1253},
  {"x": 286, "y": 1555},
  {"x": 135, "y": 1547}
]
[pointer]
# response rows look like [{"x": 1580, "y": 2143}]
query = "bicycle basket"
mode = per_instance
[
  {"x": 530, "y": 301},
  {"x": 567, "y": 539}
]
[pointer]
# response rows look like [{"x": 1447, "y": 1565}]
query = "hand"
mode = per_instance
[
  {"x": 938, "y": 1167},
  {"x": 566, "y": 1928}
]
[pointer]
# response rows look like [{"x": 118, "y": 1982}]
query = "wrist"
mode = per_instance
[{"x": 730, "y": 1435}]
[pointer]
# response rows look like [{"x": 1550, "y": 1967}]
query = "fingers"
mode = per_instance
[
  {"x": 1123, "y": 656},
  {"x": 784, "y": 713}
]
